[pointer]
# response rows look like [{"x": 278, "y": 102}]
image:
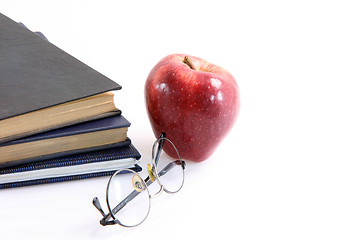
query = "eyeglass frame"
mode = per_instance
[{"x": 147, "y": 182}]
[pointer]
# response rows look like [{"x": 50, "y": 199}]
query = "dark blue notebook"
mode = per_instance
[
  {"x": 98, "y": 134},
  {"x": 74, "y": 167}
]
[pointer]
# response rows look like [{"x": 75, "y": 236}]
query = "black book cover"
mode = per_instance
[{"x": 35, "y": 74}]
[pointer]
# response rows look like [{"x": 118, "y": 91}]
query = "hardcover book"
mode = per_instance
[
  {"x": 98, "y": 134},
  {"x": 43, "y": 88},
  {"x": 72, "y": 167}
]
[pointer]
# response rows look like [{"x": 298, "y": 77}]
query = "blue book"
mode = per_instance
[
  {"x": 73, "y": 167},
  {"x": 94, "y": 135}
]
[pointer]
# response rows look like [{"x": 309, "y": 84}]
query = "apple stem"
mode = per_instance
[{"x": 188, "y": 62}]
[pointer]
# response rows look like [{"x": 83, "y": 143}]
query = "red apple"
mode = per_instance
[{"x": 194, "y": 102}]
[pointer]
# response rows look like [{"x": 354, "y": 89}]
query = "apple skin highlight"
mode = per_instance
[{"x": 194, "y": 102}]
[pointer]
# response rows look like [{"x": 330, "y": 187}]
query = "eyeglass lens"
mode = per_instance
[
  {"x": 128, "y": 198},
  {"x": 170, "y": 171}
]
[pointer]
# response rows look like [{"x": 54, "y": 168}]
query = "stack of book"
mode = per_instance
[{"x": 58, "y": 120}]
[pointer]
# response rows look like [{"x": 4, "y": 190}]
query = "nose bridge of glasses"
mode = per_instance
[
  {"x": 152, "y": 177},
  {"x": 158, "y": 193}
]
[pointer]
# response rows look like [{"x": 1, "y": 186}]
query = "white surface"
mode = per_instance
[{"x": 290, "y": 167}]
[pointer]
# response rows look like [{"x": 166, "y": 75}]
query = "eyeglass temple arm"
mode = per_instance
[
  {"x": 170, "y": 166},
  {"x": 105, "y": 220}
]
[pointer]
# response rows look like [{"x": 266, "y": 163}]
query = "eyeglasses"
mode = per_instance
[{"x": 127, "y": 194}]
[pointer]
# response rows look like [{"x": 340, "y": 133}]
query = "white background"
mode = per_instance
[{"x": 289, "y": 169}]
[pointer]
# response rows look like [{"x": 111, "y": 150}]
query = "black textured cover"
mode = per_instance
[
  {"x": 62, "y": 162},
  {"x": 35, "y": 74}
]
